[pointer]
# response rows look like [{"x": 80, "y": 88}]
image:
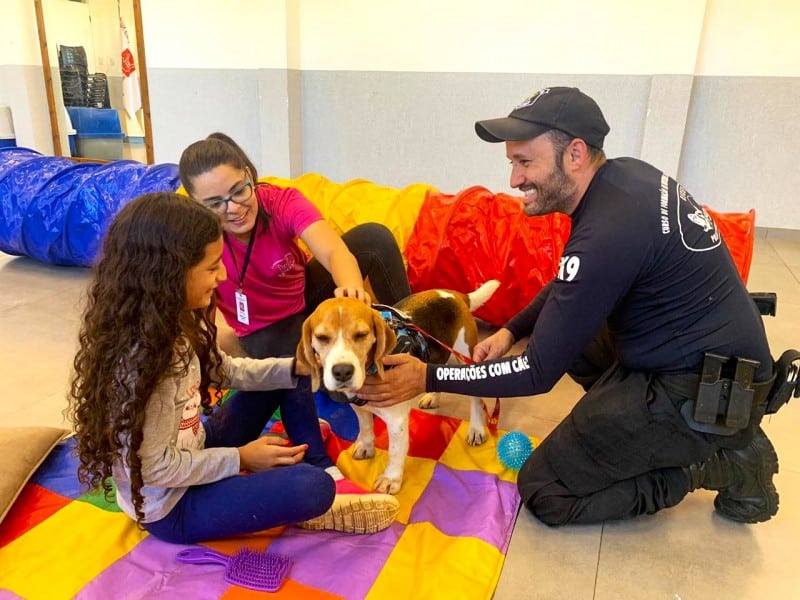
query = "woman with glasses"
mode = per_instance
[{"x": 271, "y": 285}]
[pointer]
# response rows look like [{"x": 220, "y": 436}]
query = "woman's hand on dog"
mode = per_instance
[
  {"x": 269, "y": 451},
  {"x": 353, "y": 292},
  {"x": 403, "y": 379}
]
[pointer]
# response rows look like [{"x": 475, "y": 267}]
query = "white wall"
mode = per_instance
[
  {"x": 540, "y": 36},
  {"x": 18, "y": 18},
  {"x": 208, "y": 34},
  {"x": 751, "y": 38},
  {"x": 506, "y": 36}
]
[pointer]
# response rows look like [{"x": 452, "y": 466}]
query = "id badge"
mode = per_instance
[{"x": 241, "y": 308}]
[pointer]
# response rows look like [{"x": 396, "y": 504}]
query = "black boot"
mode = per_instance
[{"x": 743, "y": 478}]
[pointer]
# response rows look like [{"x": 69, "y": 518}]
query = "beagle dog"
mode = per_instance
[{"x": 344, "y": 339}]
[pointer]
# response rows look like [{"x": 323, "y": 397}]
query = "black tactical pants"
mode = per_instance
[{"x": 621, "y": 450}]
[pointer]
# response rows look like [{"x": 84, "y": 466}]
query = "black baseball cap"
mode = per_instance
[{"x": 565, "y": 108}]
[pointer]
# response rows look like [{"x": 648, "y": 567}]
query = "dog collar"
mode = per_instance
[{"x": 343, "y": 398}]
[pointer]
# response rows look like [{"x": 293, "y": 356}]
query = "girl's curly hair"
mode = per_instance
[{"x": 133, "y": 325}]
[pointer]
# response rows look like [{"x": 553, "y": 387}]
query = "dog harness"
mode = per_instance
[{"x": 410, "y": 339}]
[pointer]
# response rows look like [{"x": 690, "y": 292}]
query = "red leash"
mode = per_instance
[{"x": 492, "y": 418}]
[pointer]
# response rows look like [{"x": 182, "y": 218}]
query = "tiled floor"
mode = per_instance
[{"x": 683, "y": 553}]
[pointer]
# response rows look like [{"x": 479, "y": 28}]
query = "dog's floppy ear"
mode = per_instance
[
  {"x": 305, "y": 355},
  {"x": 385, "y": 340}
]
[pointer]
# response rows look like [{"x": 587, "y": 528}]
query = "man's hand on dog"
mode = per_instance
[
  {"x": 494, "y": 346},
  {"x": 269, "y": 451},
  {"x": 403, "y": 380}
]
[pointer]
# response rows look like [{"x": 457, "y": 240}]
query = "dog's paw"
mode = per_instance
[
  {"x": 429, "y": 400},
  {"x": 362, "y": 450},
  {"x": 387, "y": 485},
  {"x": 476, "y": 436}
]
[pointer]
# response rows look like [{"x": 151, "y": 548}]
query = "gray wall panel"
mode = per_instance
[
  {"x": 400, "y": 128},
  {"x": 188, "y": 104},
  {"x": 739, "y": 150},
  {"x": 729, "y": 139},
  {"x": 278, "y": 106},
  {"x": 293, "y": 139},
  {"x": 665, "y": 121}
]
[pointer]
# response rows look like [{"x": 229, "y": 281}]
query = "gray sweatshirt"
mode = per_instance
[{"x": 173, "y": 452}]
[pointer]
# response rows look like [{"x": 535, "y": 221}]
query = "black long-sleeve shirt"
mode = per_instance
[{"x": 644, "y": 257}]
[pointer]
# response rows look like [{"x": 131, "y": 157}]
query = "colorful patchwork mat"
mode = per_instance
[{"x": 459, "y": 505}]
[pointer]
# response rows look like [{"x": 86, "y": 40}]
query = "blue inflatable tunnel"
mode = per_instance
[{"x": 57, "y": 211}]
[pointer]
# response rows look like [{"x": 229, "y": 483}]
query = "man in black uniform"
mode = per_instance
[{"x": 647, "y": 312}]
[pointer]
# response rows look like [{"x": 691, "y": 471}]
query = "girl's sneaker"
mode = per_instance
[
  {"x": 354, "y": 509},
  {"x": 357, "y": 513}
]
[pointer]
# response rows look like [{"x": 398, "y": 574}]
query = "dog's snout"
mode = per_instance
[{"x": 342, "y": 372}]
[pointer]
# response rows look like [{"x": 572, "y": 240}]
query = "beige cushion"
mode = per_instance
[{"x": 22, "y": 450}]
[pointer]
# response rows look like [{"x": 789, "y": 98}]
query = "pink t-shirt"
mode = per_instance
[{"x": 275, "y": 277}]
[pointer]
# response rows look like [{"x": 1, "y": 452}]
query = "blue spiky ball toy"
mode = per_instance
[{"x": 513, "y": 449}]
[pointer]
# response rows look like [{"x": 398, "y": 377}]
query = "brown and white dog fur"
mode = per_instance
[{"x": 343, "y": 337}]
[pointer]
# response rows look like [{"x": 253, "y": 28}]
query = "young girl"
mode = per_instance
[{"x": 147, "y": 359}]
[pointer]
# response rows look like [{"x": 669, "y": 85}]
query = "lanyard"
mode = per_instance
[{"x": 250, "y": 244}]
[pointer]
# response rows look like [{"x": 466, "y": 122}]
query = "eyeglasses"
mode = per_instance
[{"x": 239, "y": 196}]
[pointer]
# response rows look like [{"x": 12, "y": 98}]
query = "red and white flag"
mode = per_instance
[{"x": 131, "y": 95}]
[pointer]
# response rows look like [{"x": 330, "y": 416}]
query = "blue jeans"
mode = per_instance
[
  {"x": 244, "y": 415},
  {"x": 253, "y": 502},
  {"x": 246, "y": 504}
]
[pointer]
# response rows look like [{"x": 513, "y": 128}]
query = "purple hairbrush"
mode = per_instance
[{"x": 255, "y": 570}]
